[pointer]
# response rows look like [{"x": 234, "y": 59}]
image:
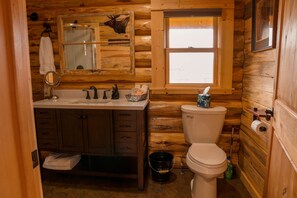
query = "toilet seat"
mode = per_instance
[{"x": 207, "y": 155}]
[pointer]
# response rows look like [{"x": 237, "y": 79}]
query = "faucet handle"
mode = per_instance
[
  {"x": 88, "y": 94},
  {"x": 115, "y": 92},
  {"x": 104, "y": 94}
]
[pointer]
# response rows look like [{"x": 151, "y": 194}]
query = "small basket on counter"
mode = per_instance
[{"x": 135, "y": 98}]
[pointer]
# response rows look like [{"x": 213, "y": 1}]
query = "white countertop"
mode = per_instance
[{"x": 68, "y": 102}]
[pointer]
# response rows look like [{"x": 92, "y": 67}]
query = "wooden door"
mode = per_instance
[
  {"x": 282, "y": 174},
  {"x": 98, "y": 131},
  {"x": 70, "y": 125},
  {"x": 18, "y": 178}
]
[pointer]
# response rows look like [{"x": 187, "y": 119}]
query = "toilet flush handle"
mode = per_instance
[{"x": 188, "y": 116}]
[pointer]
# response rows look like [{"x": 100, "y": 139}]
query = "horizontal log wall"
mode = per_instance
[
  {"x": 164, "y": 114},
  {"x": 48, "y": 12},
  {"x": 258, "y": 86}
]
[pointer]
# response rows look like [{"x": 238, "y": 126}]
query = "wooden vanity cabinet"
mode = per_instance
[
  {"x": 112, "y": 142},
  {"x": 85, "y": 131}
]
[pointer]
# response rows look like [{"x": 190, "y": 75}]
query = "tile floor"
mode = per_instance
[{"x": 69, "y": 186}]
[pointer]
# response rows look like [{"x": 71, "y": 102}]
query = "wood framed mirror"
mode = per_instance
[{"x": 97, "y": 43}]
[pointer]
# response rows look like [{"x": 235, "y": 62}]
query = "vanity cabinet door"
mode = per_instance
[
  {"x": 98, "y": 131},
  {"x": 70, "y": 124}
]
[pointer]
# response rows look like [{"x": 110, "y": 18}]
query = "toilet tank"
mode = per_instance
[{"x": 202, "y": 125}]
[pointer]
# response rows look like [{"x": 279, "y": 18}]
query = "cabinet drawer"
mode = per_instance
[
  {"x": 122, "y": 147},
  {"x": 125, "y": 115},
  {"x": 46, "y": 133},
  {"x": 125, "y": 137},
  {"x": 47, "y": 144},
  {"x": 125, "y": 126},
  {"x": 45, "y": 113},
  {"x": 46, "y": 123}
]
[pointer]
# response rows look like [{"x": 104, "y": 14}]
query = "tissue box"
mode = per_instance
[{"x": 203, "y": 100}]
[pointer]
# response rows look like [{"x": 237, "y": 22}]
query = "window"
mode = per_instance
[{"x": 192, "y": 49}]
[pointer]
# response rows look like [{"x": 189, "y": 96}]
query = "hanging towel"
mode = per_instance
[{"x": 46, "y": 56}]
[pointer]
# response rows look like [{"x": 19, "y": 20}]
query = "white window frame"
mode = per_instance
[
  {"x": 214, "y": 50},
  {"x": 225, "y": 55}
]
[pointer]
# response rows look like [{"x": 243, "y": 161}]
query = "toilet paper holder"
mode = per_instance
[{"x": 268, "y": 113}]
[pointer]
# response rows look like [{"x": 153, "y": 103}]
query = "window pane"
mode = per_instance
[
  {"x": 187, "y": 32},
  {"x": 191, "y": 67}
]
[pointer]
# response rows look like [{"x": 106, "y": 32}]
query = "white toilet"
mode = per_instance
[{"x": 202, "y": 128}]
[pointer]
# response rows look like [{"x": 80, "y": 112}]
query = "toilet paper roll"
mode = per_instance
[{"x": 258, "y": 126}]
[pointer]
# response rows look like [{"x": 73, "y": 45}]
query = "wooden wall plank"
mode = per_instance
[
  {"x": 252, "y": 175},
  {"x": 258, "y": 88},
  {"x": 258, "y": 96},
  {"x": 188, "y": 4},
  {"x": 251, "y": 148},
  {"x": 80, "y": 3},
  {"x": 261, "y": 83},
  {"x": 142, "y": 27}
]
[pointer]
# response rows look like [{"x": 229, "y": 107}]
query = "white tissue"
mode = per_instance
[
  {"x": 206, "y": 90},
  {"x": 144, "y": 88},
  {"x": 258, "y": 126}
]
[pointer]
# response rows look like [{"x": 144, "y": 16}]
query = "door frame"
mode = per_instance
[{"x": 18, "y": 138}]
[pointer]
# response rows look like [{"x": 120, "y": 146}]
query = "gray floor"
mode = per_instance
[{"x": 69, "y": 186}]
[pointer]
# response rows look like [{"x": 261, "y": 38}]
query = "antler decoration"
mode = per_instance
[{"x": 119, "y": 26}]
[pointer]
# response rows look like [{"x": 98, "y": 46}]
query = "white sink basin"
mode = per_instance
[{"x": 91, "y": 101}]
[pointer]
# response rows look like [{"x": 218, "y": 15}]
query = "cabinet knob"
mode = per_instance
[{"x": 82, "y": 116}]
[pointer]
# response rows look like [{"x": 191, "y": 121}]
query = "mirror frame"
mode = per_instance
[
  {"x": 63, "y": 69},
  {"x": 53, "y": 84}
]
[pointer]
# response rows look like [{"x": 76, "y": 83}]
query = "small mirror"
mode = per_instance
[
  {"x": 100, "y": 43},
  {"x": 52, "y": 79}
]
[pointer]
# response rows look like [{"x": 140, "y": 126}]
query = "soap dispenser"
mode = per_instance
[{"x": 115, "y": 92}]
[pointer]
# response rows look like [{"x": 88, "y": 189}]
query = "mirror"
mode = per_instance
[
  {"x": 52, "y": 79},
  {"x": 97, "y": 43}
]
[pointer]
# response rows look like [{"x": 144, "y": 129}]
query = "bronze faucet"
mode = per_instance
[{"x": 95, "y": 92}]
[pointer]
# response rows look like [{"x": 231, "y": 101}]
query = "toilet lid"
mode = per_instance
[
  {"x": 200, "y": 110},
  {"x": 208, "y": 154}
]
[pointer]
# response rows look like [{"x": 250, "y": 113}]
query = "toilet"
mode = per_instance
[{"x": 202, "y": 128}]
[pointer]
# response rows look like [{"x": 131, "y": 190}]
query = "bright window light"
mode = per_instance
[
  {"x": 191, "y": 67},
  {"x": 185, "y": 38}
]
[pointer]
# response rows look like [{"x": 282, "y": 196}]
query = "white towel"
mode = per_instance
[
  {"x": 46, "y": 55},
  {"x": 60, "y": 161}
]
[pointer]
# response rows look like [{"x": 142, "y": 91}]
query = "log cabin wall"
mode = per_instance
[
  {"x": 258, "y": 86},
  {"x": 164, "y": 114},
  {"x": 48, "y": 12}
]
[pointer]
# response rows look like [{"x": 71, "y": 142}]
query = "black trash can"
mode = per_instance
[{"x": 161, "y": 164}]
